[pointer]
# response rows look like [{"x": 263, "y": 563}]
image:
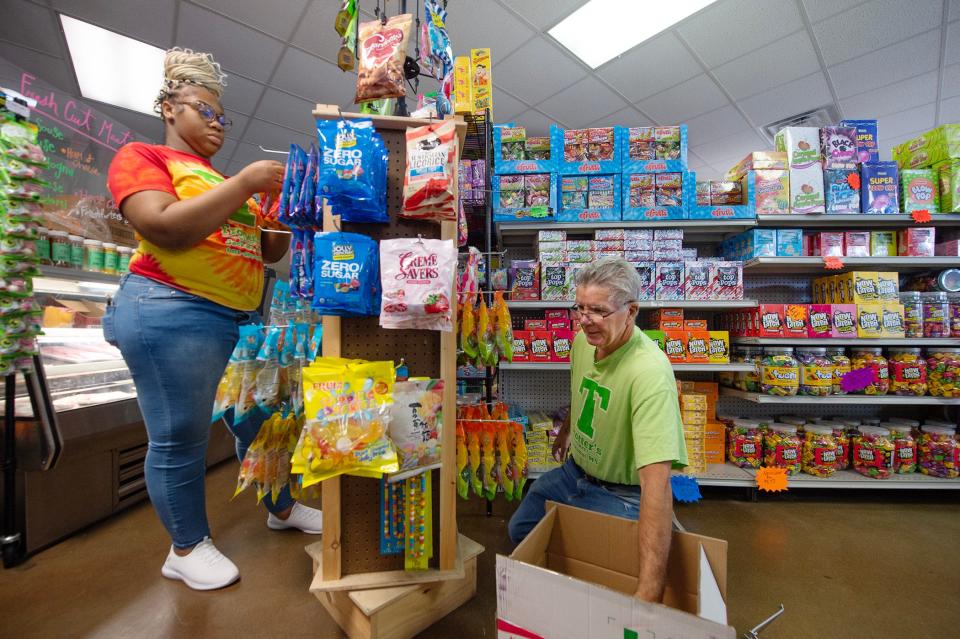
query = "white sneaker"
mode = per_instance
[
  {"x": 304, "y": 518},
  {"x": 205, "y": 568}
]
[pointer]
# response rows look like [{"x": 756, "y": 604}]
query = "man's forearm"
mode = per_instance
[{"x": 654, "y": 530}]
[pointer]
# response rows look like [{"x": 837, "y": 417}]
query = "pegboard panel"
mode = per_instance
[
  {"x": 529, "y": 390},
  {"x": 778, "y": 289}
]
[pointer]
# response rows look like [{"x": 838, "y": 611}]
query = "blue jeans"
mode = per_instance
[
  {"x": 568, "y": 485},
  {"x": 176, "y": 346}
]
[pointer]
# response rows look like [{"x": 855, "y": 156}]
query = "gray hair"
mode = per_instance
[{"x": 616, "y": 275}]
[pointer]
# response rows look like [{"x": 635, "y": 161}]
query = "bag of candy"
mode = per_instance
[
  {"x": 417, "y": 276},
  {"x": 486, "y": 344},
  {"x": 352, "y": 175},
  {"x": 383, "y": 49},
  {"x": 429, "y": 185},
  {"x": 503, "y": 331},
  {"x": 228, "y": 391},
  {"x": 416, "y": 422},
  {"x": 345, "y": 274}
]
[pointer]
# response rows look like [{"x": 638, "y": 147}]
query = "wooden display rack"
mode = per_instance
[{"x": 368, "y": 594}]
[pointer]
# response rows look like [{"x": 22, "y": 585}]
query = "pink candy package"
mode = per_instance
[
  {"x": 697, "y": 280},
  {"x": 726, "y": 280},
  {"x": 417, "y": 278}
]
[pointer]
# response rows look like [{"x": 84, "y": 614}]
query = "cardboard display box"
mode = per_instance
[{"x": 575, "y": 574}]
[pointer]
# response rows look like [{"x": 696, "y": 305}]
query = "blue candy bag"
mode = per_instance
[
  {"x": 346, "y": 274},
  {"x": 352, "y": 170}
]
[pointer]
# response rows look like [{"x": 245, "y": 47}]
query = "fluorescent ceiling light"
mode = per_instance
[
  {"x": 601, "y": 30},
  {"x": 113, "y": 68}
]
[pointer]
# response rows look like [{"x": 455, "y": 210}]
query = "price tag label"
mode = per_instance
[
  {"x": 772, "y": 479},
  {"x": 921, "y": 216},
  {"x": 686, "y": 490},
  {"x": 853, "y": 179},
  {"x": 832, "y": 263}
]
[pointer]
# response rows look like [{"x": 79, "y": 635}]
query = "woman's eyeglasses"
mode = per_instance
[
  {"x": 208, "y": 113},
  {"x": 581, "y": 313}
]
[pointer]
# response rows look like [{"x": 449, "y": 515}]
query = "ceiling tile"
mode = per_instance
[
  {"x": 949, "y": 110},
  {"x": 239, "y": 121},
  {"x": 472, "y": 25},
  {"x": 544, "y": 14},
  {"x": 276, "y": 18},
  {"x": 794, "y": 97},
  {"x": 886, "y": 144},
  {"x": 287, "y": 110},
  {"x": 729, "y": 150},
  {"x": 53, "y": 71},
  {"x": 232, "y": 45},
  {"x": 731, "y": 28},
  {"x": 534, "y": 122},
  {"x": 270, "y": 136},
  {"x": 954, "y": 10},
  {"x": 775, "y": 64},
  {"x": 625, "y": 117},
  {"x": 720, "y": 123},
  {"x": 818, "y": 10},
  {"x": 899, "y": 96},
  {"x": 314, "y": 79},
  {"x": 568, "y": 105},
  {"x": 684, "y": 101},
  {"x": 953, "y": 43},
  {"x": 241, "y": 94},
  {"x": 505, "y": 106},
  {"x": 874, "y": 25},
  {"x": 651, "y": 67},
  {"x": 897, "y": 124},
  {"x": 31, "y": 25},
  {"x": 315, "y": 33},
  {"x": 897, "y": 62},
  {"x": 147, "y": 20},
  {"x": 148, "y": 126},
  {"x": 951, "y": 82},
  {"x": 536, "y": 71}
]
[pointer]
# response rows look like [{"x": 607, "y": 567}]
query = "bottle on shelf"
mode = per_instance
[
  {"x": 43, "y": 246},
  {"x": 124, "y": 253},
  {"x": 76, "y": 251},
  {"x": 110, "y": 258},
  {"x": 93, "y": 256},
  {"x": 60, "y": 249}
]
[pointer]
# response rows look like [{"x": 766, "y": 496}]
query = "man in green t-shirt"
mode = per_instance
[{"x": 623, "y": 430}]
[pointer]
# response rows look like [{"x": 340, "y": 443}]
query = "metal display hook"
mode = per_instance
[{"x": 752, "y": 634}]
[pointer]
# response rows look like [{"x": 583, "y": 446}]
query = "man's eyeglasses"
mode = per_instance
[
  {"x": 209, "y": 114},
  {"x": 581, "y": 312}
]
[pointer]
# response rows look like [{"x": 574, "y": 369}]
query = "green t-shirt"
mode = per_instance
[{"x": 624, "y": 411}]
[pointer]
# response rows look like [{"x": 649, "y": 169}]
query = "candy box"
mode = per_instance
[
  {"x": 769, "y": 320},
  {"x": 641, "y": 143},
  {"x": 557, "y": 315},
  {"x": 726, "y": 193},
  {"x": 648, "y": 280},
  {"x": 688, "y": 254},
  {"x": 819, "y": 324},
  {"x": 600, "y": 144},
  {"x": 657, "y": 336},
  {"x": 535, "y": 325},
  {"x": 551, "y": 247},
  {"x": 609, "y": 245},
  {"x": 570, "y": 183},
  {"x": 551, "y": 236},
  {"x": 601, "y": 199},
  {"x": 462, "y": 87},
  {"x": 581, "y": 245},
  {"x": 669, "y": 280},
  {"x": 867, "y": 149},
  {"x": 828, "y": 244},
  {"x": 525, "y": 280},
  {"x": 883, "y": 243},
  {"x": 600, "y": 183},
  {"x": 669, "y": 189},
  {"x": 761, "y": 242},
  {"x": 843, "y": 320},
  {"x": 870, "y": 319},
  {"x": 541, "y": 346},
  {"x": 838, "y": 146},
  {"x": 841, "y": 197},
  {"x": 806, "y": 190},
  {"x": 675, "y": 345},
  {"x": 697, "y": 281},
  {"x": 643, "y": 190},
  {"x": 573, "y": 199},
  {"x": 561, "y": 342},
  {"x": 575, "y": 142},
  {"x": 662, "y": 314},
  {"x": 771, "y": 190},
  {"x": 888, "y": 286},
  {"x": 667, "y": 142},
  {"x": 513, "y": 143},
  {"x": 698, "y": 347},
  {"x": 796, "y": 320},
  {"x": 602, "y": 254},
  {"x": 667, "y": 234},
  {"x": 638, "y": 256},
  {"x": 948, "y": 249},
  {"x": 949, "y": 175},
  {"x": 917, "y": 242},
  {"x": 879, "y": 188},
  {"x": 580, "y": 257},
  {"x": 554, "y": 286},
  {"x": 758, "y": 161},
  {"x": 695, "y": 324},
  {"x": 552, "y": 257},
  {"x": 726, "y": 280},
  {"x": 511, "y": 191},
  {"x": 538, "y": 148},
  {"x": 719, "y": 347},
  {"x": 790, "y": 242},
  {"x": 859, "y": 286},
  {"x": 892, "y": 320},
  {"x": 667, "y": 255},
  {"x": 919, "y": 190},
  {"x": 608, "y": 235},
  {"x": 703, "y": 193},
  {"x": 537, "y": 188},
  {"x": 856, "y": 243},
  {"x": 481, "y": 72},
  {"x": 521, "y": 346},
  {"x": 802, "y": 145}
]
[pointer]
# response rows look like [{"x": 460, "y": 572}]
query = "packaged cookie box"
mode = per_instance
[
  {"x": 586, "y": 151},
  {"x": 661, "y": 149},
  {"x": 879, "y": 188},
  {"x": 515, "y": 152}
]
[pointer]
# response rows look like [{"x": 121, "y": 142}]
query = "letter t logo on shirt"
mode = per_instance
[{"x": 593, "y": 389}]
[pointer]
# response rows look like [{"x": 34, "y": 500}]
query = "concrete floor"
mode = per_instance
[{"x": 860, "y": 564}]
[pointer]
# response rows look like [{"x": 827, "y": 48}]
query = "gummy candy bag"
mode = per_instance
[
  {"x": 468, "y": 331},
  {"x": 416, "y": 422},
  {"x": 228, "y": 390},
  {"x": 429, "y": 184},
  {"x": 417, "y": 278},
  {"x": 345, "y": 274},
  {"x": 503, "y": 333},
  {"x": 486, "y": 345},
  {"x": 267, "y": 392}
]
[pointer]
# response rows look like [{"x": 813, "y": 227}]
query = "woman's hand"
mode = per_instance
[{"x": 263, "y": 176}]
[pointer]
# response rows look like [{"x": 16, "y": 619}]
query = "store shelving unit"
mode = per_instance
[
  {"x": 730, "y": 476},
  {"x": 853, "y": 221},
  {"x": 778, "y": 265},
  {"x": 679, "y": 368},
  {"x": 850, "y": 400},
  {"x": 704, "y": 305},
  {"x": 856, "y": 341},
  {"x": 522, "y": 233}
]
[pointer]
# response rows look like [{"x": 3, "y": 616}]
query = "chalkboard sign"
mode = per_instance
[{"x": 79, "y": 143}]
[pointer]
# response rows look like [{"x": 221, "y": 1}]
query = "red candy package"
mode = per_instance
[
  {"x": 382, "y": 50},
  {"x": 430, "y": 183},
  {"x": 417, "y": 278}
]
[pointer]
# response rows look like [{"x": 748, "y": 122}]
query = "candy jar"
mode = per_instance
[
  {"x": 873, "y": 452},
  {"x": 938, "y": 451},
  {"x": 745, "y": 443},
  {"x": 76, "y": 251},
  {"x": 841, "y": 366},
  {"x": 908, "y": 372},
  {"x": 782, "y": 448},
  {"x": 123, "y": 259},
  {"x": 779, "y": 372},
  {"x": 936, "y": 315},
  {"x": 841, "y": 433},
  {"x": 954, "y": 299},
  {"x": 872, "y": 357},
  {"x": 943, "y": 372},
  {"x": 93, "y": 254},
  {"x": 110, "y": 258},
  {"x": 816, "y": 372},
  {"x": 43, "y": 245},
  {"x": 60, "y": 249},
  {"x": 904, "y": 447},
  {"x": 750, "y": 382},
  {"x": 912, "y": 313},
  {"x": 819, "y": 451}
]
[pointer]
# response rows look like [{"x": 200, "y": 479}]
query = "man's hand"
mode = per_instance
[
  {"x": 562, "y": 443},
  {"x": 654, "y": 528}
]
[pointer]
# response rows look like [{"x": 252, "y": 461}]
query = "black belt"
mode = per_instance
[{"x": 600, "y": 482}]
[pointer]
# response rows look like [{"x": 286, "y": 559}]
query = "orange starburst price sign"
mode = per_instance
[
  {"x": 832, "y": 263},
  {"x": 921, "y": 216},
  {"x": 772, "y": 479}
]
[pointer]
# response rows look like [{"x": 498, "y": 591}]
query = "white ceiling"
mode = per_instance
[{"x": 726, "y": 71}]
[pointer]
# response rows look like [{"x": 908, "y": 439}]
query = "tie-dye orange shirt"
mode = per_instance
[{"x": 227, "y": 266}]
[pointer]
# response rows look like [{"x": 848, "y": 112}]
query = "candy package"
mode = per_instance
[
  {"x": 416, "y": 421},
  {"x": 346, "y": 278},
  {"x": 383, "y": 48},
  {"x": 417, "y": 276},
  {"x": 351, "y": 168},
  {"x": 429, "y": 187}
]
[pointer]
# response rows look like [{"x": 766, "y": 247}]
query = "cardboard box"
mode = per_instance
[
  {"x": 719, "y": 347},
  {"x": 657, "y": 336},
  {"x": 858, "y": 287},
  {"x": 888, "y": 286},
  {"x": 671, "y": 325},
  {"x": 828, "y": 244},
  {"x": 462, "y": 86},
  {"x": 576, "y": 572},
  {"x": 692, "y": 400},
  {"x": 819, "y": 324},
  {"x": 521, "y": 346},
  {"x": 870, "y": 319},
  {"x": 712, "y": 454},
  {"x": 883, "y": 243},
  {"x": 710, "y": 389},
  {"x": 695, "y": 324},
  {"x": 843, "y": 320},
  {"x": 917, "y": 242},
  {"x": 892, "y": 320},
  {"x": 535, "y": 325},
  {"x": 694, "y": 418},
  {"x": 675, "y": 346},
  {"x": 769, "y": 320},
  {"x": 856, "y": 243},
  {"x": 698, "y": 347},
  {"x": 541, "y": 348},
  {"x": 796, "y": 320},
  {"x": 481, "y": 76}
]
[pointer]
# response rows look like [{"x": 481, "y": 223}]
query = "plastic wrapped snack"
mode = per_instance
[
  {"x": 383, "y": 48},
  {"x": 936, "y": 315},
  {"x": 908, "y": 372},
  {"x": 429, "y": 184},
  {"x": 745, "y": 443},
  {"x": 418, "y": 277},
  {"x": 816, "y": 372},
  {"x": 873, "y": 451},
  {"x": 943, "y": 372},
  {"x": 938, "y": 451},
  {"x": 750, "y": 381},
  {"x": 779, "y": 372},
  {"x": 819, "y": 451},
  {"x": 345, "y": 274},
  {"x": 416, "y": 422},
  {"x": 782, "y": 448},
  {"x": 865, "y": 357},
  {"x": 905, "y": 447}
]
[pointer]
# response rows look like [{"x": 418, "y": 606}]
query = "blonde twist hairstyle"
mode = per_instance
[{"x": 185, "y": 66}]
